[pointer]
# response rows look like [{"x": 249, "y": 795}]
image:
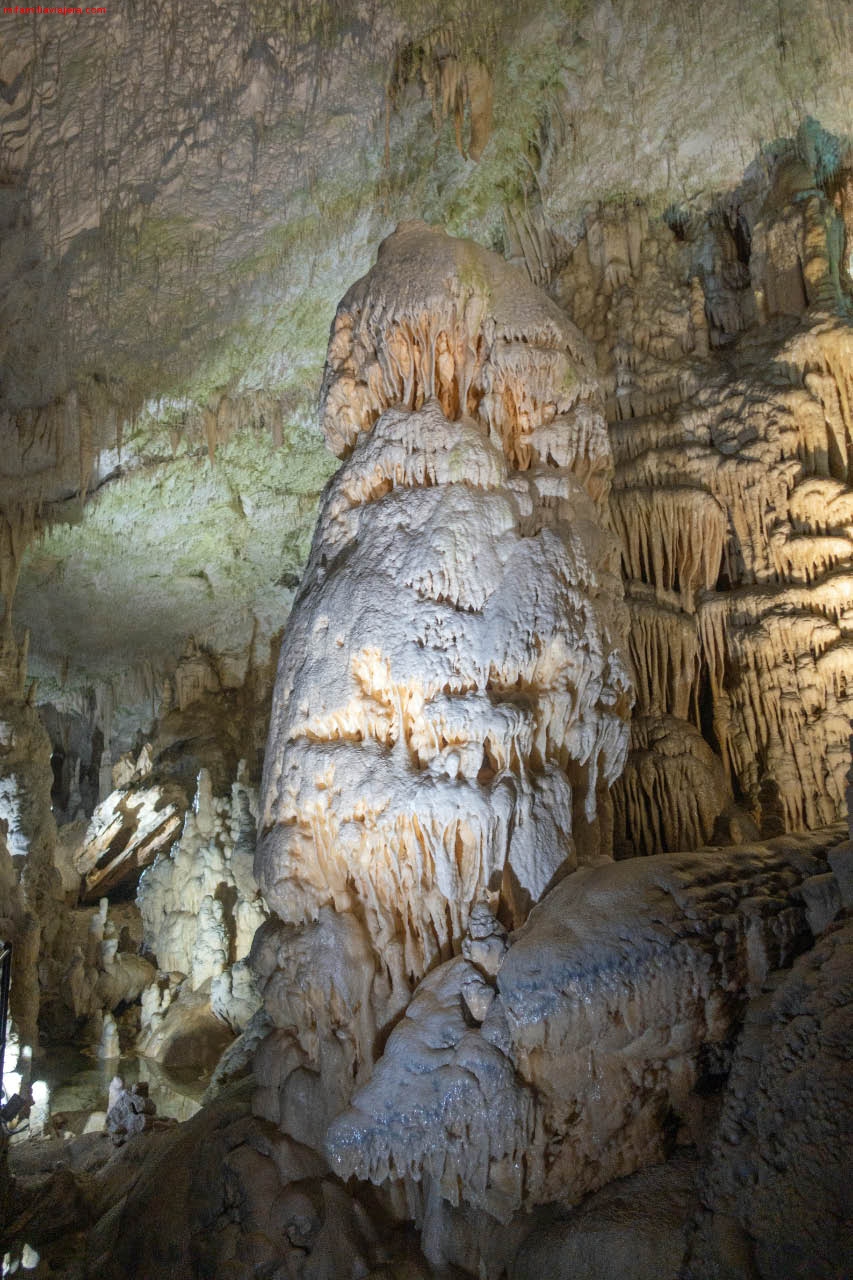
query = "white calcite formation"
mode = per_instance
[
  {"x": 323, "y": 996},
  {"x": 778, "y": 641},
  {"x": 125, "y": 834},
  {"x": 129, "y": 827},
  {"x": 452, "y": 686},
  {"x": 131, "y": 1111},
  {"x": 609, "y": 1006},
  {"x": 101, "y": 979},
  {"x": 200, "y": 909}
]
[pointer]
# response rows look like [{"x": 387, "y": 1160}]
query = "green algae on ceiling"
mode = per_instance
[
  {"x": 205, "y": 181},
  {"x": 176, "y": 546}
]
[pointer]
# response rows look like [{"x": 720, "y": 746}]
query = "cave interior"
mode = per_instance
[{"x": 499, "y": 927}]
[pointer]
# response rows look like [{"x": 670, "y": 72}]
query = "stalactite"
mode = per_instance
[
  {"x": 731, "y": 496},
  {"x": 457, "y": 84},
  {"x": 664, "y": 647},
  {"x": 672, "y": 538},
  {"x": 672, "y": 790}
]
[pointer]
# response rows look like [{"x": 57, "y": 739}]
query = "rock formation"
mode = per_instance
[
  {"x": 775, "y": 1195},
  {"x": 33, "y": 898},
  {"x": 618, "y": 995},
  {"x": 212, "y": 862},
  {"x": 452, "y": 697},
  {"x": 732, "y": 489},
  {"x": 200, "y": 911},
  {"x": 124, "y": 835},
  {"x": 606, "y": 463},
  {"x": 100, "y": 980},
  {"x": 634, "y": 976}
]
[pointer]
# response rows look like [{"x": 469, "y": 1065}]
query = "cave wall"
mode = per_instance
[{"x": 723, "y": 343}]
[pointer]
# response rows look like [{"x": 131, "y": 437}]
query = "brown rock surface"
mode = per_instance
[{"x": 776, "y": 1192}]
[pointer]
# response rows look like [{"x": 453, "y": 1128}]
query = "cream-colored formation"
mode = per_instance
[
  {"x": 733, "y": 494},
  {"x": 200, "y": 910},
  {"x": 100, "y": 978},
  {"x": 452, "y": 695},
  {"x": 606, "y": 1009},
  {"x": 125, "y": 833}
]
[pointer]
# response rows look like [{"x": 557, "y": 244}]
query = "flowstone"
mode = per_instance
[{"x": 614, "y": 1008}]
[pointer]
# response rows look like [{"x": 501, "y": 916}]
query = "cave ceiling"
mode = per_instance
[{"x": 187, "y": 189}]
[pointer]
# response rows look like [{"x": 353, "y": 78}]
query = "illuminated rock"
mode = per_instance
[
  {"x": 210, "y": 867},
  {"x": 101, "y": 980},
  {"x": 200, "y": 909},
  {"x": 452, "y": 695},
  {"x": 728, "y": 394},
  {"x": 609, "y": 1005},
  {"x": 125, "y": 834}
]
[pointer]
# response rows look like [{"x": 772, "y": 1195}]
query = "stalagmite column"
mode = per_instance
[{"x": 452, "y": 695}]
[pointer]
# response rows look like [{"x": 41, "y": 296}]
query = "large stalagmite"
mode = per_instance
[{"x": 452, "y": 695}]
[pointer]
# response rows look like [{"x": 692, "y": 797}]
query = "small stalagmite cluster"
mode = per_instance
[
  {"x": 452, "y": 697},
  {"x": 200, "y": 909}
]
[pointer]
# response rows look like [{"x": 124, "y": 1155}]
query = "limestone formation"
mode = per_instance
[
  {"x": 452, "y": 694},
  {"x": 776, "y": 1191},
  {"x": 454, "y": 649},
  {"x": 636, "y": 1228},
  {"x": 34, "y": 905},
  {"x": 200, "y": 910},
  {"x": 209, "y": 867},
  {"x": 101, "y": 981},
  {"x": 611, "y": 1003},
  {"x": 319, "y": 984},
  {"x": 125, "y": 834},
  {"x": 20, "y": 928},
  {"x": 732, "y": 494},
  {"x": 220, "y": 1196},
  {"x": 581, "y": 586}
]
